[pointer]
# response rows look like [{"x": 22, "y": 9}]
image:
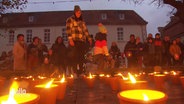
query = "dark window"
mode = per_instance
[
  {"x": 11, "y": 36},
  {"x": 120, "y": 33},
  {"x": 64, "y": 35},
  {"x": 47, "y": 35},
  {"x": 29, "y": 36}
]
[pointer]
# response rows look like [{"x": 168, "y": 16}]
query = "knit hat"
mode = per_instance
[
  {"x": 102, "y": 28},
  {"x": 77, "y": 8}
]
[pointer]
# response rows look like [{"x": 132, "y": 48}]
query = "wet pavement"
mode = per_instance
[
  {"x": 81, "y": 94},
  {"x": 102, "y": 93}
]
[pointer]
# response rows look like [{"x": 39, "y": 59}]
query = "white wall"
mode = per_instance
[{"x": 57, "y": 31}]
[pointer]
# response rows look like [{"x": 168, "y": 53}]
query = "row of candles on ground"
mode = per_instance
[
  {"x": 29, "y": 90},
  {"x": 130, "y": 91},
  {"x": 134, "y": 91}
]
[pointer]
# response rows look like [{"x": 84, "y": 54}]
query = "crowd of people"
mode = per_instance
[
  {"x": 73, "y": 58},
  {"x": 154, "y": 52}
]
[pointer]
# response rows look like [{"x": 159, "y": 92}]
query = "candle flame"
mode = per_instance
[
  {"x": 174, "y": 73},
  {"x": 136, "y": 75},
  {"x": 132, "y": 79},
  {"x": 62, "y": 79},
  {"x": 119, "y": 74},
  {"x": 49, "y": 84},
  {"x": 166, "y": 72},
  {"x": 59, "y": 76},
  {"x": 13, "y": 91},
  {"x": 101, "y": 75},
  {"x": 41, "y": 77},
  {"x": 90, "y": 76},
  {"x": 108, "y": 76},
  {"x": 145, "y": 97},
  {"x": 15, "y": 78},
  {"x": 124, "y": 78},
  {"x": 71, "y": 75}
]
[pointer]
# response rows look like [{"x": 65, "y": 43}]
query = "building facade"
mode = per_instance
[
  {"x": 174, "y": 29},
  {"x": 48, "y": 25}
]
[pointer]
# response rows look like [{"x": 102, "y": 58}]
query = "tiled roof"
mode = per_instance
[{"x": 58, "y": 18}]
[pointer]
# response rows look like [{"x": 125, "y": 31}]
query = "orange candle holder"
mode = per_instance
[
  {"x": 159, "y": 81},
  {"x": 113, "y": 81},
  {"x": 70, "y": 81},
  {"x": 2, "y": 81},
  {"x": 34, "y": 82},
  {"x": 175, "y": 78},
  {"x": 128, "y": 85},
  {"x": 28, "y": 98},
  {"x": 90, "y": 82},
  {"x": 182, "y": 81},
  {"x": 107, "y": 80},
  {"x": 61, "y": 89},
  {"x": 142, "y": 96},
  {"x": 47, "y": 95},
  {"x": 121, "y": 82}
]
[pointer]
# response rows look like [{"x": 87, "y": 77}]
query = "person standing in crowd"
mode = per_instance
[
  {"x": 139, "y": 52},
  {"x": 100, "y": 48},
  {"x": 150, "y": 35},
  {"x": 166, "y": 54},
  {"x": 158, "y": 49},
  {"x": 19, "y": 53},
  {"x": 130, "y": 49},
  {"x": 33, "y": 60},
  {"x": 149, "y": 53},
  {"x": 175, "y": 52},
  {"x": 58, "y": 57},
  {"x": 41, "y": 49},
  {"x": 181, "y": 45},
  {"x": 77, "y": 36},
  {"x": 115, "y": 53}
]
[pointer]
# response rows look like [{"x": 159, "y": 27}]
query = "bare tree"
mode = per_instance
[
  {"x": 177, "y": 4},
  {"x": 11, "y": 4}
]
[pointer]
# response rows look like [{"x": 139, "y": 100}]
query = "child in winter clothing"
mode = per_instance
[
  {"x": 101, "y": 41},
  {"x": 100, "y": 48}
]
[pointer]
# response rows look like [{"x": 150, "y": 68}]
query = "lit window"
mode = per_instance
[
  {"x": 47, "y": 35},
  {"x": 11, "y": 36},
  {"x": 120, "y": 33},
  {"x": 64, "y": 35},
  {"x": 29, "y": 36},
  {"x": 31, "y": 18},
  {"x": 104, "y": 16},
  {"x": 121, "y": 16}
]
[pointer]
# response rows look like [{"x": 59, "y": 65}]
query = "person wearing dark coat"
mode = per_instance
[
  {"x": 58, "y": 57},
  {"x": 166, "y": 55},
  {"x": 130, "y": 50}
]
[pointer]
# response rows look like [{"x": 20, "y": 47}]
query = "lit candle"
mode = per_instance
[
  {"x": 142, "y": 97},
  {"x": 18, "y": 98},
  {"x": 113, "y": 83},
  {"x": 175, "y": 77},
  {"x": 61, "y": 88},
  {"x": 90, "y": 80},
  {"x": 2, "y": 81},
  {"x": 70, "y": 81},
  {"x": 121, "y": 81},
  {"x": 133, "y": 84},
  {"x": 106, "y": 79},
  {"x": 159, "y": 80},
  {"x": 47, "y": 91}
]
